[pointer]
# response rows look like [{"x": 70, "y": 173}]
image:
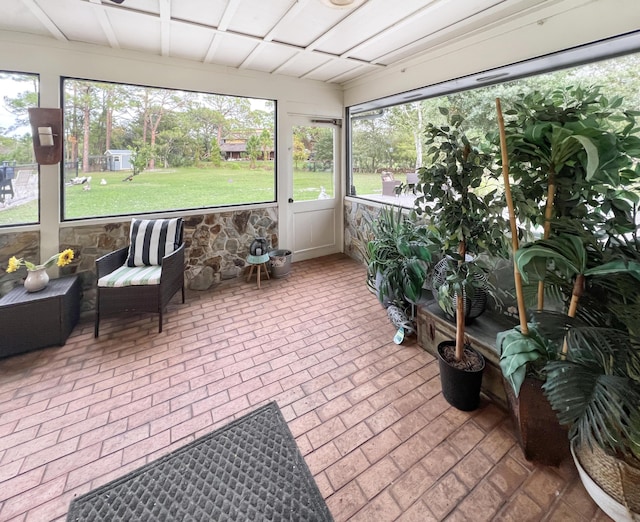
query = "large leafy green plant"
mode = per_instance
[
  {"x": 573, "y": 160},
  {"x": 567, "y": 258},
  {"x": 398, "y": 256},
  {"x": 525, "y": 354},
  {"x": 464, "y": 208},
  {"x": 572, "y": 155},
  {"x": 564, "y": 257}
]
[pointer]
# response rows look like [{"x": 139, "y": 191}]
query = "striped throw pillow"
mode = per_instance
[{"x": 152, "y": 239}]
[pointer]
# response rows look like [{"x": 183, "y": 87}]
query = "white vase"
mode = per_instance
[{"x": 36, "y": 280}]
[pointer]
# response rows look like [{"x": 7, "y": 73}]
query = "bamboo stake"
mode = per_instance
[
  {"x": 522, "y": 315},
  {"x": 578, "y": 289}
]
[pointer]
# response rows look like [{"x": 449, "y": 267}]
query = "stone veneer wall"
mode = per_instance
[
  {"x": 356, "y": 216},
  {"x": 217, "y": 245}
]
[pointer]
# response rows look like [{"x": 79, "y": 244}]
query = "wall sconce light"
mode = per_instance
[
  {"x": 45, "y": 134},
  {"x": 46, "y": 130}
]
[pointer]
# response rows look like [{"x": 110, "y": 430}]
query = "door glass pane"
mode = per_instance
[{"x": 313, "y": 163}]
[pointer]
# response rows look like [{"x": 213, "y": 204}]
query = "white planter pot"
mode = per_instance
[{"x": 609, "y": 505}]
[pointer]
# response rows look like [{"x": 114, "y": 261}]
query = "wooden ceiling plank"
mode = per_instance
[
  {"x": 105, "y": 24},
  {"x": 228, "y": 14},
  {"x": 45, "y": 20},
  {"x": 164, "y": 7}
]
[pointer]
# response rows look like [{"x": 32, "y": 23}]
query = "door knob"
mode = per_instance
[{"x": 290, "y": 200}]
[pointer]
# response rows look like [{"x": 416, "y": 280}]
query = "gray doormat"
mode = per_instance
[{"x": 250, "y": 469}]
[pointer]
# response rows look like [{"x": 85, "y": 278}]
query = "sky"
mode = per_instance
[{"x": 10, "y": 88}]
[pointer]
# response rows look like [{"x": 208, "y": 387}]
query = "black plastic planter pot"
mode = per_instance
[{"x": 461, "y": 388}]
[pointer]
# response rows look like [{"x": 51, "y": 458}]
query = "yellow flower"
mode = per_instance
[
  {"x": 65, "y": 257},
  {"x": 62, "y": 259},
  {"x": 13, "y": 265}
]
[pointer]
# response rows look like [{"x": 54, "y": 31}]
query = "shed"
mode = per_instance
[{"x": 118, "y": 159}]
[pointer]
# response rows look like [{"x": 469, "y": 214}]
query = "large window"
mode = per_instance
[
  {"x": 132, "y": 149},
  {"x": 386, "y": 142},
  {"x": 19, "y": 177}
]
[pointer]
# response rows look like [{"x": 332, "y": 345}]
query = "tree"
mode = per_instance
[
  {"x": 18, "y": 105},
  {"x": 265, "y": 142},
  {"x": 85, "y": 107},
  {"x": 370, "y": 143},
  {"x": 140, "y": 158},
  {"x": 181, "y": 128},
  {"x": 323, "y": 147},
  {"x": 462, "y": 218},
  {"x": 216, "y": 153},
  {"x": 204, "y": 125},
  {"x": 409, "y": 119},
  {"x": 299, "y": 152},
  {"x": 253, "y": 150},
  {"x": 159, "y": 101},
  {"x": 16, "y": 148}
]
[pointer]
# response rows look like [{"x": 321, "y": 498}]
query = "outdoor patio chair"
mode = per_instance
[
  {"x": 389, "y": 184},
  {"x": 6, "y": 178},
  {"x": 412, "y": 180},
  {"x": 144, "y": 276}
]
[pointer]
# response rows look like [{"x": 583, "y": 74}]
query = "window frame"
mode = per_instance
[
  {"x": 164, "y": 211},
  {"x": 609, "y": 48}
]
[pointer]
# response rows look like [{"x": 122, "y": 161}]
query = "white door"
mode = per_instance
[{"x": 314, "y": 200}]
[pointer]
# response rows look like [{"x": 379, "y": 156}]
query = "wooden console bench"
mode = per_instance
[
  {"x": 34, "y": 320},
  {"x": 433, "y": 328}
]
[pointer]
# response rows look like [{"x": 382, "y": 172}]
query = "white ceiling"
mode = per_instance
[{"x": 299, "y": 38}]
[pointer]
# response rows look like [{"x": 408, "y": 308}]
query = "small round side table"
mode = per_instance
[{"x": 260, "y": 264}]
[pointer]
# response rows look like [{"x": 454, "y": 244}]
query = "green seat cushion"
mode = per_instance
[{"x": 132, "y": 276}]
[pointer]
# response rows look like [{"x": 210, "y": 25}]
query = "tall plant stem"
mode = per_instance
[
  {"x": 460, "y": 309},
  {"x": 576, "y": 294},
  {"x": 522, "y": 314},
  {"x": 548, "y": 211}
]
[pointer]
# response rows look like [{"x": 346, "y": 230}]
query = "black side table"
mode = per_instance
[{"x": 34, "y": 320}]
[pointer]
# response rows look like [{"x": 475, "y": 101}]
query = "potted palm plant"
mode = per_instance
[
  {"x": 593, "y": 382},
  {"x": 596, "y": 391},
  {"x": 464, "y": 209},
  {"x": 571, "y": 158},
  {"x": 526, "y": 361}
]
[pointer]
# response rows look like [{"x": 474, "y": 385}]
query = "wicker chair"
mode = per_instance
[{"x": 151, "y": 298}]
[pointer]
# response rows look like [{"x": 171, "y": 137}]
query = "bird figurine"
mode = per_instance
[{"x": 323, "y": 194}]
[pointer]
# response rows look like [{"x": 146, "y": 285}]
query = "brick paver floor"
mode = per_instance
[{"x": 367, "y": 414}]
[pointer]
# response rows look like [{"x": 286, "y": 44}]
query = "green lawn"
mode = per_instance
[
  {"x": 26, "y": 213},
  {"x": 169, "y": 189},
  {"x": 368, "y": 183},
  {"x": 183, "y": 188}
]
